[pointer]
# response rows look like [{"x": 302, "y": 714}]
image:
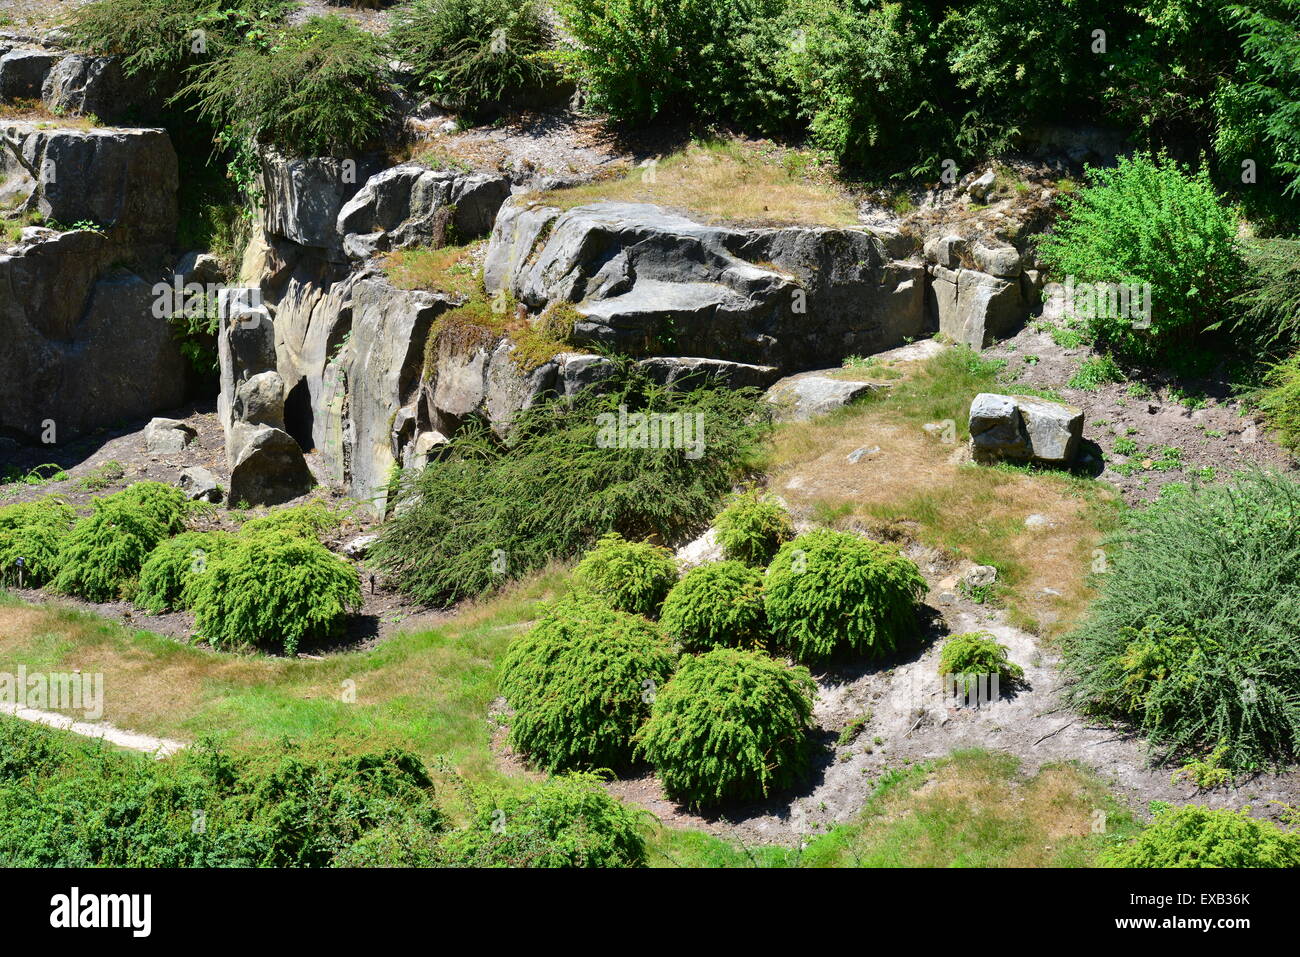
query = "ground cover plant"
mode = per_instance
[
  {"x": 730, "y": 725},
  {"x": 714, "y": 605},
  {"x": 1195, "y": 836},
  {"x": 752, "y": 527},
  {"x": 1193, "y": 635},
  {"x": 171, "y": 572},
  {"x": 976, "y": 653},
  {"x": 630, "y": 576},
  {"x": 32, "y": 533},
  {"x": 581, "y": 682},
  {"x": 831, "y": 592}
]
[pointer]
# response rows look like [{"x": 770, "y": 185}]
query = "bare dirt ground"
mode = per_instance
[{"x": 1214, "y": 433}]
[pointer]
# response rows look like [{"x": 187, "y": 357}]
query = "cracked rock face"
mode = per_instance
[{"x": 646, "y": 281}]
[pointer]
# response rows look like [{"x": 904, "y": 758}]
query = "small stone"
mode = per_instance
[
  {"x": 167, "y": 436},
  {"x": 359, "y": 546},
  {"x": 981, "y": 575},
  {"x": 857, "y": 455},
  {"x": 199, "y": 484},
  {"x": 1037, "y": 521}
]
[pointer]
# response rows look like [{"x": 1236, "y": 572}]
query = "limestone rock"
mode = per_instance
[
  {"x": 199, "y": 484},
  {"x": 1023, "y": 428},
  {"x": 803, "y": 397},
  {"x": 168, "y": 436},
  {"x": 303, "y": 196}
]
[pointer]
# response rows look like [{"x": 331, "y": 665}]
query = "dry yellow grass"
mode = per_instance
[{"x": 723, "y": 181}]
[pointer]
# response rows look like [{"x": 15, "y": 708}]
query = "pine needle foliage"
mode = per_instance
[
  {"x": 753, "y": 527},
  {"x": 274, "y": 593},
  {"x": 831, "y": 592},
  {"x": 1195, "y": 836},
  {"x": 977, "y": 653},
  {"x": 714, "y": 606},
  {"x": 34, "y": 532},
  {"x": 580, "y": 683},
  {"x": 1194, "y": 637},
  {"x": 171, "y": 572},
  {"x": 730, "y": 725},
  {"x": 631, "y": 576},
  {"x": 489, "y": 511}
]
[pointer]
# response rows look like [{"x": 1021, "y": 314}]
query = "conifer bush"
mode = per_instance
[
  {"x": 752, "y": 528},
  {"x": 730, "y": 725},
  {"x": 171, "y": 572},
  {"x": 33, "y": 532},
  {"x": 580, "y": 683},
  {"x": 274, "y": 593},
  {"x": 830, "y": 592},
  {"x": 1194, "y": 836},
  {"x": 100, "y": 559},
  {"x": 1193, "y": 637},
  {"x": 310, "y": 520},
  {"x": 570, "y": 821},
  {"x": 715, "y": 605},
  {"x": 977, "y": 653},
  {"x": 631, "y": 576}
]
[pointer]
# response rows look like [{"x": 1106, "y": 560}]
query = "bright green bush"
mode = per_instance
[
  {"x": 1268, "y": 319},
  {"x": 570, "y": 821},
  {"x": 752, "y": 528},
  {"x": 315, "y": 88},
  {"x": 1149, "y": 220},
  {"x": 631, "y": 576},
  {"x": 829, "y": 592},
  {"x": 310, "y": 520},
  {"x": 274, "y": 593},
  {"x": 100, "y": 558},
  {"x": 715, "y": 605},
  {"x": 170, "y": 573},
  {"x": 580, "y": 683},
  {"x": 34, "y": 532},
  {"x": 487, "y": 512},
  {"x": 977, "y": 653},
  {"x": 1193, "y": 637},
  {"x": 1279, "y": 401},
  {"x": 730, "y": 725},
  {"x": 1194, "y": 836},
  {"x": 472, "y": 54}
]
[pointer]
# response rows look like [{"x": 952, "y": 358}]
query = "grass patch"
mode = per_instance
[
  {"x": 722, "y": 180},
  {"x": 455, "y": 270}
]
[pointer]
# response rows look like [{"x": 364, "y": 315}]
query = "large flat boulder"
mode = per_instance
[{"x": 807, "y": 396}]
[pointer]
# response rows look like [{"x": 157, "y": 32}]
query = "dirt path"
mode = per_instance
[{"x": 158, "y": 747}]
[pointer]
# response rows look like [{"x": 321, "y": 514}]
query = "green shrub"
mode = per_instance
[
  {"x": 100, "y": 559},
  {"x": 631, "y": 576},
  {"x": 310, "y": 520},
  {"x": 157, "y": 39},
  {"x": 1269, "y": 317},
  {"x": 829, "y": 592},
  {"x": 1279, "y": 401},
  {"x": 1194, "y": 836},
  {"x": 715, "y": 605},
  {"x": 34, "y": 532},
  {"x": 1193, "y": 636},
  {"x": 730, "y": 725},
  {"x": 66, "y": 803},
  {"x": 170, "y": 573},
  {"x": 580, "y": 683},
  {"x": 1096, "y": 371},
  {"x": 752, "y": 528},
  {"x": 319, "y": 87},
  {"x": 487, "y": 512},
  {"x": 977, "y": 653},
  {"x": 570, "y": 821},
  {"x": 274, "y": 593},
  {"x": 1148, "y": 220},
  {"x": 473, "y": 53}
]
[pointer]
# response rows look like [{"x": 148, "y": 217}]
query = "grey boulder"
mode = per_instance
[
  {"x": 803, "y": 397},
  {"x": 1022, "y": 428},
  {"x": 168, "y": 436}
]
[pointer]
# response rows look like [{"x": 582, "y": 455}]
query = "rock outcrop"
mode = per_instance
[{"x": 1022, "y": 428}]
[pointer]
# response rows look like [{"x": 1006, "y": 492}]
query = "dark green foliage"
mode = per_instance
[
  {"x": 274, "y": 593},
  {"x": 730, "y": 725},
  {"x": 101, "y": 557},
  {"x": 34, "y": 532},
  {"x": 471, "y": 54},
  {"x": 976, "y": 653},
  {"x": 1149, "y": 220},
  {"x": 487, "y": 512},
  {"x": 319, "y": 87},
  {"x": 631, "y": 576},
  {"x": 832, "y": 592},
  {"x": 1194, "y": 636},
  {"x": 157, "y": 39},
  {"x": 715, "y": 605},
  {"x": 570, "y": 821},
  {"x": 580, "y": 683},
  {"x": 170, "y": 573},
  {"x": 1194, "y": 836},
  {"x": 752, "y": 528},
  {"x": 64, "y": 803}
]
